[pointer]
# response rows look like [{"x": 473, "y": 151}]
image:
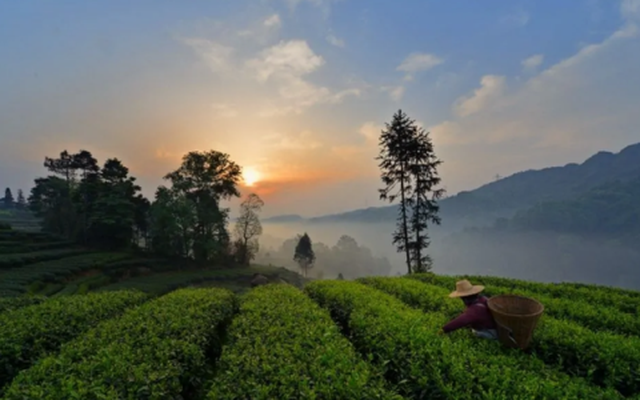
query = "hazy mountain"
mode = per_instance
[{"x": 504, "y": 197}]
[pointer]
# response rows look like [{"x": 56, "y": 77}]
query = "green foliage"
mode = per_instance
[
  {"x": 596, "y": 316},
  {"x": 198, "y": 185},
  {"x": 604, "y": 358},
  {"x": 425, "y": 365},
  {"x": 13, "y": 303},
  {"x": 283, "y": 346},
  {"x": 28, "y": 333},
  {"x": 17, "y": 260},
  {"x": 156, "y": 351},
  {"x": 18, "y": 279}
]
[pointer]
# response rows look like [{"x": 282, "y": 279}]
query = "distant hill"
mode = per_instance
[
  {"x": 283, "y": 219},
  {"x": 504, "y": 197}
]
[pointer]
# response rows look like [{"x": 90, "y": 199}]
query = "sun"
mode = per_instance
[{"x": 250, "y": 176}]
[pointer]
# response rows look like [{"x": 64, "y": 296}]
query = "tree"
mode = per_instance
[
  {"x": 248, "y": 228},
  {"x": 304, "y": 255},
  {"x": 340, "y": 277},
  {"x": 424, "y": 172},
  {"x": 205, "y": 178},
  {"x": 21, "y": 202},
  {"x": 395, "y": 158},
  {"x": 8, "y": 198}
]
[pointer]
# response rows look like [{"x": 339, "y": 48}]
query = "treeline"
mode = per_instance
[
  {"x": 346, "y": 259},
  {"x": 9, "y": 202},
  {"x": 101, "y": 206}
]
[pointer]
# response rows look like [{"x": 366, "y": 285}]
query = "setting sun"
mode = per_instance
[{"x": 250, "y": 176}]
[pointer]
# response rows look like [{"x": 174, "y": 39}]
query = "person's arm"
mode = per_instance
[{"x": 464, "y": 319}]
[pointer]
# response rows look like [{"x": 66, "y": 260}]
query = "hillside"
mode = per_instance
[
  {"x": 610, "y": 210},
  {"x": 372, "y": 338},
  {"x": 504, "y": 197},
  {"x": 34, "y": 263}
]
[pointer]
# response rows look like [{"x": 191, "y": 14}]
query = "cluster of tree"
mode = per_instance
[
  {"x": 103, "y": 207},
  {"x": 9, "y": 202},
  {"x": 346, "y": 259},
  {"x": 408, "y": 166}
]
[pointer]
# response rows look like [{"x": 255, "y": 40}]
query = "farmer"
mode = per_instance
[{"x": 476, "y": 314}]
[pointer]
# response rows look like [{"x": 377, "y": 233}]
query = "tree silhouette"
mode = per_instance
[
  {"x": 424, "y": 172},
  {"x": 396, "y": 143},
  {"x": 304, "y": 254},
  {"x": 8, "y": 198},
  {"x": 248, "y": 228}
]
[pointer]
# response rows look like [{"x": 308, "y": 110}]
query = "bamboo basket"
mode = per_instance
[{"x": 516, "y": 317}]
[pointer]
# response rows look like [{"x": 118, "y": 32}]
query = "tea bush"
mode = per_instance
[
  {"x": 425, "y": 365},
  {"x": 283, "y": 346},
  {"x": 30, "y": 332},
  {"x": 160, "y": 350}
]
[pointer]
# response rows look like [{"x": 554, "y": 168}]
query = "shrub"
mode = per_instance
[
  {"x": 606, "y": 359},
  {"x": 425, "y": 365},
  {"x": 29, "y": 332},
  {"x": 156, "y": 351},
  {"x": 283, "y": 346},
  {"x": 13, "y": 303}
]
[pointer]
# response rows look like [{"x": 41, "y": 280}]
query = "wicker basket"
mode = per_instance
[{"x": 516, "y": 317}]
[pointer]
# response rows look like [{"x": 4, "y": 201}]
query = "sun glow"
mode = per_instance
[{"x": 250, "y": 176}]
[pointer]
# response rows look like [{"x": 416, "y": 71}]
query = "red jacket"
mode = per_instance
[{"x": 476, "y": 316}]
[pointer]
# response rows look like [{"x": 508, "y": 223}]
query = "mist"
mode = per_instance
[{"x": 538, "y": 256}]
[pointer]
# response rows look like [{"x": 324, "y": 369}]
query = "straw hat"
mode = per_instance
[{"x": 465, "y": 288}]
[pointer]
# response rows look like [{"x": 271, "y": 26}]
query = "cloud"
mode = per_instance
[
  {"x": 222, "y": 110},
  {"x": 273, "y": 21},
  {"x": 491, "y": 88},
  {"x": 580, "y": 105},
  {"x": 291, "y": 58},
  {"x": 286, "y": 63},
  {"x": 395, "y": 92},
  {"x": 416, "y": 62},
  {"x": 216, "y": 55},
  {"x": 532, "y": 63},
  {"x": 371, "y": 132},
  {"x": 630, "y": 9},
  {"x": 336, "y": 41}
]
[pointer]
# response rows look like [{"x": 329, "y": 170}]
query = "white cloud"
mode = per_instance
[
  {"x": 216, "y": 55},
  {"x": 416, "y": 62},
  {"x": 490, "y": 90},
  {"x": 336, "y": 41},
  {"x": 580, "y": 105},
  {"x": 293, "y": 58},
  {"x": 371, "y": 132},
  {"x": 286, "y": 64},
  {"x": 223, "y": 110},
  {"x": 532, "y": 63},
  {"x": 273, "y": 21}
]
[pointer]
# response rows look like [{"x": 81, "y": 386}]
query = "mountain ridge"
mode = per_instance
[{"x": 506, "y": 196}]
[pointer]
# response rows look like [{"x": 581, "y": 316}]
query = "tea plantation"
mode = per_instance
[{"x": 73, "y": 325}]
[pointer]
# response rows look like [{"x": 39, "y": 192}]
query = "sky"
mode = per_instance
[{"x": 297, "y": 91}]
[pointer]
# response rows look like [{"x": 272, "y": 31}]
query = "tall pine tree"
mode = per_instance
[
  {"x": 395, "y": 158},
  {"x": 409, "y": 173},
  {"x": 424, "y": 173}
]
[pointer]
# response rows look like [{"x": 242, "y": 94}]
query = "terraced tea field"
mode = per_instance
[{"x": 375, "y": 338}]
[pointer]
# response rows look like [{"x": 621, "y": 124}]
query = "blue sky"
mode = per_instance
[{"x": 297, "y": 90}]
